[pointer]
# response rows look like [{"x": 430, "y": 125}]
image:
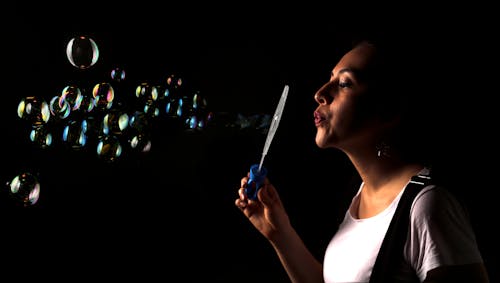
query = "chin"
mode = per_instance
[
  {"x": 322, "y": 146},
  {"x": 321, "y": 143}
]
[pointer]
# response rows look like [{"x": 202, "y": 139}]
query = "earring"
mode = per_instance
[{"x": 383, "y": 149}]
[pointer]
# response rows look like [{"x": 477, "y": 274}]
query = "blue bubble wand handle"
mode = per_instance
[{"x": 257, "y": 172}]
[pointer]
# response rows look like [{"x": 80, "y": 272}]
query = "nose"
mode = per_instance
[{"x": 323, "y": 96}]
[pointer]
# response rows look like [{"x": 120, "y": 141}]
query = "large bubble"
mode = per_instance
[
  {"x": 24, "y": 189},
  {"x": 82, "y": 52}
]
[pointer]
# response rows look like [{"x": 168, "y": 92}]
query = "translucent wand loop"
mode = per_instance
[{"x": 274, "y": 124}]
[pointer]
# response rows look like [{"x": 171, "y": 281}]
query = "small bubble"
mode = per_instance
[
  {"x": 109, "y": 148},
  {"x": 41, "y": 136},
  {"x": 72, "y": 95},
  {"x": 74, "y": 134},
  {"x": 115, "y": 122},
  {"x": 146, "y": 92},
  {"x": 104, "y": 94},
  {"x": 60, "y": 110},
  {"x": 140, "y": 143},
  {"x": 118, "y": 74}
]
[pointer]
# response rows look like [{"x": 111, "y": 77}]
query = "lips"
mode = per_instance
[{"x": 318, "y": 118}]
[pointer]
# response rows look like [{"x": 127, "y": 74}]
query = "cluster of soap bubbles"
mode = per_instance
[
  {"x": 111, "y": 121},
  {"x": 104, "y": 118}
]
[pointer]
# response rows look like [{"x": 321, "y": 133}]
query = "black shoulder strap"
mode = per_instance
[{"x": 391, "y": 257}]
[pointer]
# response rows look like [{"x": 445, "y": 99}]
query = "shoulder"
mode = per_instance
[
  {"x": 435, "y": 200},
  {"x": 440, "y": 232}
]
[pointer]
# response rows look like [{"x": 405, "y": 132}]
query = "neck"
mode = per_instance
[{"x": 379, "y": 172}]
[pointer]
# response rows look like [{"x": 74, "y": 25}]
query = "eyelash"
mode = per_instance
[{"x": 344, "y": 84}]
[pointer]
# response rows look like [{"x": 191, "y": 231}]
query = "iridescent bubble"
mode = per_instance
[
  {"x": 173, "y": 88},
  {"x": 146, "y": 92},
  {"x": 93, "y": 127},
  {"x": 196, "y": 121},
  {"x": 109, "y": 148},
  {"x": 209, "y": 117},
  {"x": 59, "y": 110},
  {"x": 174, "y": 82},
  {"x": 139, "y": 122},
  {"x": 148, "y": 102},
  {"x": 40, "y": 136},
  {"x": 199, "y": 102},
  {"x": 174, "y": 107},
  {"x": 118, "y": 74},
  {"x": 82, "y": 52},
  {"x": 72, "y": 95},
  {"x": 104, "y": 95},
  {"x": 140, "y": 143},
  {"x": 201, "y": 124},
  {"x": 139, "y": 132},
  {"x": 151, "y": 109},
  {"x": 115, "y": 122},
  {"x": 87, "y": 104},
  {"x": 34, "y": 110},
  {"x": 74, "y": 134},
  {"x": 25, "y": 189},
  {"x": 166, "y": 94},
  {"x": 192, "y": 122}
]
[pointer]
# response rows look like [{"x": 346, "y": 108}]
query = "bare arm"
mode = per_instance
[
  {"x": 299, "y": 263},
  {"x": 269, "y": 217}
]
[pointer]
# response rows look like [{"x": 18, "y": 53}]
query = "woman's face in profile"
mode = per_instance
[{"x": 344, "y": 116}]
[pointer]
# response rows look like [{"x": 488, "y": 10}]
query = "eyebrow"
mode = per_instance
[
  {"x": 344, "y": 70},
  {"x": 355, "y": 72}
]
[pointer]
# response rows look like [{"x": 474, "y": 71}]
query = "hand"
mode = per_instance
[{"x": 266, "y": 213}]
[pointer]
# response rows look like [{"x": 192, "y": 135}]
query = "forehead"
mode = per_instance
[{"x": 361, "y": 58}]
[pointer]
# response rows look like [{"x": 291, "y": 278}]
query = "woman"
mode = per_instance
[{"x": 361, "y": 112}]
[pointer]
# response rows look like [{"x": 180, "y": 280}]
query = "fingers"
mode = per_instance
[
  {"x": 241, "y": 204},
  {"x": 268, "y": 195},
  {"x": 242, "y": 201},
  {"x": 242, "y": 195},
  {"x": 243, "y": 182},
  {"x": 263, "y": 195}
]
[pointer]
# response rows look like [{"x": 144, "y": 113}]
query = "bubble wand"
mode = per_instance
[{"x": 257, "y": 171}]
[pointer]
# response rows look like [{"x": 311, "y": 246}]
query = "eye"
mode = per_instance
[{"x": 345, "y": 84}]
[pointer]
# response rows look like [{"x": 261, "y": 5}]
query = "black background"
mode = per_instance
[{"x": 170, "y": 214}]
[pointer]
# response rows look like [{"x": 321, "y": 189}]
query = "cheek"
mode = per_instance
[
  {"x": 342, "y": 114},
  {"x": 348, "y": 118}
]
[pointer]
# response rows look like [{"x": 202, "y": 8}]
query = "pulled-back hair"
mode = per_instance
[{"x": 402, "y": 85}]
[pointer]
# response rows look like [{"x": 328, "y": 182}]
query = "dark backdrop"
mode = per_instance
[{"x": 170, "y": 213}]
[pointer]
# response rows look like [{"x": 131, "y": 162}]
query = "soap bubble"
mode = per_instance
[
  {"x": 140, "y": 143},
  {"x": 115, "y": 122},
  {"x": 104, "y": 95},
  {"x": 82, "y": 52},
  {"x": 41, "y": 136},
  {"x": 24, "y": 189},
  {"x": 75, "y": 134},
  {"x": 60, "y": 110},
  {"x": 118, "y": 74},
  {"x": 72, "y": 95},
  {"x": 34, "y": 109},
  {"x": 109, "y": 148}
]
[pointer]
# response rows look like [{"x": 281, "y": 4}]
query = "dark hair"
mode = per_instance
[{"x": 397, "y": 77}]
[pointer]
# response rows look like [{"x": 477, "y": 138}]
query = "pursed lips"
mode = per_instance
[{"x": 318, "y": 118}]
